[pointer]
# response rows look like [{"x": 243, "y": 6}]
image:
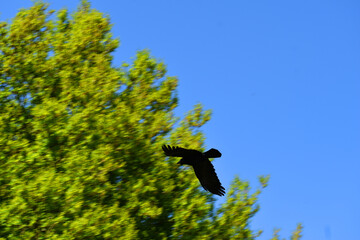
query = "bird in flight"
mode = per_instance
[{"x": 203, "y": 168}]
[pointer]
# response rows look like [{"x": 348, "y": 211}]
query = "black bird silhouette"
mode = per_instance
[{"x": 203, "y": 168}]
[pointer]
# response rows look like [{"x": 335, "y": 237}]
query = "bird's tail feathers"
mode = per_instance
[{"x": 212, "y": 153}]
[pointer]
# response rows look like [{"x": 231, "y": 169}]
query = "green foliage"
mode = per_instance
[
  {"x": 297, "y": 233},
  {"x": 81, "y": 140}
]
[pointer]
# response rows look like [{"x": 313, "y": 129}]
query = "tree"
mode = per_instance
[{"x": 81, "y": 140}]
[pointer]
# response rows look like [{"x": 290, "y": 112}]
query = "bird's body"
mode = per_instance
[{"x": 203, "y": 168}]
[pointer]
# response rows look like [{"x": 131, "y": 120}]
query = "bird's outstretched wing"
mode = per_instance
[
  {"x": 206, "y": 174},
  {"x": 179, "y": 151}
]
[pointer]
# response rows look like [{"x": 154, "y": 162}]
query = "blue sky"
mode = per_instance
[{"x": 283, "y": 81}]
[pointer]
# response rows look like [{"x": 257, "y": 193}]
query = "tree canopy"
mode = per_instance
[{"x": 80, "y": 140}]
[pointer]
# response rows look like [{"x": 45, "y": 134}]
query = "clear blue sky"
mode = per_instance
[{"x": 283, "y": 81}]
